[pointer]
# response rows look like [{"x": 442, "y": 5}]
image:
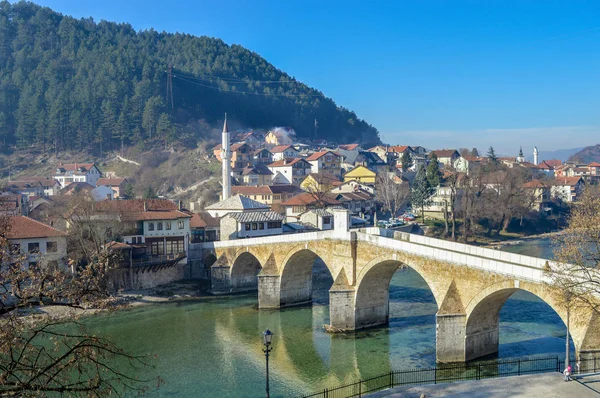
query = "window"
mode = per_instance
[
  {"x": 15, "y": 249},
  {"x": 168, "y": 225},
  {"x": 247, "y": 226},
  {"x": 51, "y": 247},
  {"x": 254, "y": 226},
  {"x": 274, "y": 224},
  {"x": 326, "y": 220},
  {"x": 157, "y": 248},
  {"x": 261, "y": 225},
  {"x": 151, "y": 226},
  {"x": 276, "y": 197},
  {"x": 33, "y": 247},
  {"x": 159, "y": 226},
  {"x": 180, "y": 224}
]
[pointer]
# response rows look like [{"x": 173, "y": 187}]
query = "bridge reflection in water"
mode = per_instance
[{"x": 212, "y": 347}]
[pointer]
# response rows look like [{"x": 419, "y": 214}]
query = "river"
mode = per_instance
[{"x": 211, "y": 347}]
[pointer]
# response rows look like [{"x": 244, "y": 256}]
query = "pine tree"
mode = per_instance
[
  {"x": 406, "y": 161},
  {"x": 149, "y": 193},
  {"x": 491, "y": 154},
  {"x": 434, "y": 174},
  {"x": 421, "y": 191}
]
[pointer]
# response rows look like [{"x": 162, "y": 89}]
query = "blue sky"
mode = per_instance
[{"x": 433, "y": 73}]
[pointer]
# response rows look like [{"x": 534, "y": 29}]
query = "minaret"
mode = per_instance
[
  {"x": 535, "y": 155},
  {"x": 226, "y": 161}
]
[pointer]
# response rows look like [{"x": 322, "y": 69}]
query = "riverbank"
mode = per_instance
[{"x": 175, "y": 291}]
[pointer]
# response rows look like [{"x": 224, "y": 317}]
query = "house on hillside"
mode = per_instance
[
  {"x": 242, "y": 155},
  {"x": 262, "y": 156},
  {"x": 270, "y": 195},
  {"x": 290, "y": 171},
  {"x": 326, "y": 161},
  {"x": 29, "y": 189},
  {"x": 116, "y": 184},
  {"x": 361, "y": 174},
  {"x": 281, "y": 152},
  {"x": 299, "y": 204},
  {"x": 568, "y": 189},
  {"x": 468, "y": 164},
  {"x": 67, "y": 173},
  {"x": 446, "y": 157},
  {"x": 13, "y": 204},
  {"x": 37, "y": 243},
  {"x": 50, "y": 185},
  {"x": 380, "y": 150},
  {"x": 319, "y": 182},
  {"x": 538, "y": 194},
  {"x": 256, "y": 175}
]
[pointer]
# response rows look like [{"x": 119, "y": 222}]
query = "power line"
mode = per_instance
[{"x": 246, "y": 92}]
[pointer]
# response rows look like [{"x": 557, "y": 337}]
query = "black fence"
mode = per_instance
[{"x": 456, "y": 372}]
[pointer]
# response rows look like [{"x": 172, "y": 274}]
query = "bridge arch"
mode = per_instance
[
  {"x": 483, "y": 315},
  {"x": 372, "y": 290},
  {"x": 244, "y": 271},
  {"x": 208, "y": 262},
  {"x": 296, "y": 275}
]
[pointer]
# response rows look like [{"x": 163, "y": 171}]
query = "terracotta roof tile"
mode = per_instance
[
  {"x": 22, "y": 227},
  {"x": 110, "y": 181},
  {"x": 318, "y": 155}
]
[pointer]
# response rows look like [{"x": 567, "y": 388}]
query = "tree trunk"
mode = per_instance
[
  {"x": 447, "y": 228},
  {"x": 453, "y": 224}
]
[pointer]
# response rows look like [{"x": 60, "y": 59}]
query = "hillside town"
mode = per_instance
[{"x": 274, "y": 184}]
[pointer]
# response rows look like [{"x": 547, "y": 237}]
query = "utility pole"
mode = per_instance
[{"x": 169, "y": 95}]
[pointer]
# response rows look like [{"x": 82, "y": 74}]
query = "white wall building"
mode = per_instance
[
  {"x": 38, "y": 242},
  {"x": 77, "y": 172}
]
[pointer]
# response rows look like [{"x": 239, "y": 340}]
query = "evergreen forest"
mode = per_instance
[{"x": 73, "y": 84}]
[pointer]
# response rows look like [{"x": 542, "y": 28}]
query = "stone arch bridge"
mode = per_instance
[{"x": 470, "y": 284}]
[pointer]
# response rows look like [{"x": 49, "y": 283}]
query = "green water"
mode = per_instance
[{"x": 212, "y": 347}]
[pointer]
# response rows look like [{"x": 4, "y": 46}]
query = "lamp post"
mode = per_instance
[
  {"x": 567, "y": 346},
  {"x": 267, "y": 335}
]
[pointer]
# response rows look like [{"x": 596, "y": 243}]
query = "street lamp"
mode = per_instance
[
  {"x": 267, "y": 336},
  {"x": 567, "y": 346}
]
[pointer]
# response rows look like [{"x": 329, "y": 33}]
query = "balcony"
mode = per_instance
[{"x": 149, "y": 261}]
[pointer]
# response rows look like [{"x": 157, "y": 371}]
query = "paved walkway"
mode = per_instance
[{"x": 544, "y": 385}]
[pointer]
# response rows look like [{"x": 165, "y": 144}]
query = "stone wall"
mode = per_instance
[{"x": 147, "y": 277}]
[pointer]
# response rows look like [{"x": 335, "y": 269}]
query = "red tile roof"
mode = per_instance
[
  {"x": 203, "y": 220},
  {"x": 570, "y": 181},
  {"x": 535, "y": 184},
  {"x": 594, "y": 164},
  {"x": 135, "y": 205},
  {"x": 288, "y": 162},
  {"x": 399, "y": 148},
  {"x": 444, "y": 153},
  {"x": 280, "y": 148},
  {"x": 22, "y": 227},
  {"x": 318, "y": 155},
  {"x": 348, "y": 147},
  {"x": 110, "y": 181},
  {"x": 306, "y": 198},
  {"x": 45, "y": 181}
]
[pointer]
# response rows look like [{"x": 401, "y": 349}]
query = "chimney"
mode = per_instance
[
  {"x": 145, "y": 206},
  {"x": 180, "y": 205}
]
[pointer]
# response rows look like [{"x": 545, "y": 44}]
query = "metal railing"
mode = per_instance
[{"x": 456, "y": 372}]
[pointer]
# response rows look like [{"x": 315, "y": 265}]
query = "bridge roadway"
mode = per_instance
[{"x": 470, "y": 284}]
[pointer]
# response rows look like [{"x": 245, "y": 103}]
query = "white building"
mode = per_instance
[
  {"x": 290, "y": 171},
  {"x": 320, "y": 219},
  {"x": 281, "y": 152},
  {"x": 39, "y": 243},
  {"x": 238, "y": 225},
  {"x": 236, "y": 204},
  {"x": 77, "y": 172}
]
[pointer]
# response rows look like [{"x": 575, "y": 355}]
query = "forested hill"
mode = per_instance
[
  {"x": 587, "y": 155},
  {"x": 74, "y": 84}
]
